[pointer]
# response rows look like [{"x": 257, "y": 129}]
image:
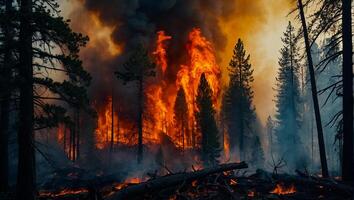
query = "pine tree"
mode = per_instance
[
  {"x": 238, "y": 109},
  {"x": 207, "y": 123},
  {"x": 137, "y": 68},
  {"x": 181, "y": 116},
  {"x": 288, "y": 98},
  {"x": 6, "y": 68},
  {"x": 43, "y": 99}
]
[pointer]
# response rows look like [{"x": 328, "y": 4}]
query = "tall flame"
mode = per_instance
[
  {"x": 160, "y": 52},
  {"x": 160, "y": 94}
]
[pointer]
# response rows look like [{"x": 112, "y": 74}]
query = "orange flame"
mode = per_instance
[
  {"x": 281, "y": 189},
  {"x": 201, "y": 60},
  {"x": 64, "y": 192},
  {"x": 160, "y": 95},
  {"x": 160, "y": 52}
]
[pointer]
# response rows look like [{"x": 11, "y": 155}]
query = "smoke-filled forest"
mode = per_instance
[{"x": 176, "y": 100}]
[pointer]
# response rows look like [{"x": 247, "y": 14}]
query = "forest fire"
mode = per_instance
[
  {"x": 160, "y": 94},
  {"x": 281, "y": 189}
]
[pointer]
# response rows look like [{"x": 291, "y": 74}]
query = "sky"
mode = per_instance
[{"x": 259, "y": 23}]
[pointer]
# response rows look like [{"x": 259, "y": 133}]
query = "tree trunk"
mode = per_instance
[
  {"x": 314, "y": 93},
  {"x": 140, "y": 120},
  {"x": 242, "y": 156},
  {"x": 5, "y": 95},
  {"x": 73, "y": 141},
  {"x": 78, "y": 134},
  {"x": 64, "y": 139},
  {"x": 26, "y": 187},
  {"x": 161, "y": 183},
  {"x": 347, "y": 166},
  {"x": 112, "y": 125}
]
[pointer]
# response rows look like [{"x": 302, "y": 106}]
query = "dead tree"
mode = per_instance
[
  {"x": 314, "y": 92},
  {"x": 347, "y": 165},
  {"x": 26, "y": 186},
  {"x": 173, "y": 180}
]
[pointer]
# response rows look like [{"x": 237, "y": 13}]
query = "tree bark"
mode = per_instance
[
  {"x": 347, "y": 166},
  {"x": 5, "y": 95},
  {"x": 173, "y": 180},
  {"x": 26, "y": 187},
  {"x": 314, "y": 93}
]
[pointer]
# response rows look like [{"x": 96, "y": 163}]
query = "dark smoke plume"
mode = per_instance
[{"x": 137, "y": 21}]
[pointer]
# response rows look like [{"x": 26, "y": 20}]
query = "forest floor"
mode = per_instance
[
  {"x": 224, "y": 182},
  {"x": 221, "y": 183}
]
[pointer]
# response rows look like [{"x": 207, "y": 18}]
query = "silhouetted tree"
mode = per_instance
[
  {"x": 7, "y": 63},
  {"x": 332, "y": 19},
  {"x": 348, "y": 131},
  {"x": 46, "y": 45},
  {"x": 314, "y": 92},
  {"x": 181, "y": 116},
  {"x": 238, "y": 110},
  {"x": 137, "y": 68},
  {"x": 207, "y": 124}
]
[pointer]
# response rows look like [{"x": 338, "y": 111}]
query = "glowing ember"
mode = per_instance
[
  {"x": 233, "y": 182},
  {"x": 63, "y": 192},
  {"x": 251, "y": 194},
  {"x": 282, "y": 190}
]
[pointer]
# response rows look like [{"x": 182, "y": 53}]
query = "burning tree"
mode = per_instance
[
  {"x": 207, "y": 124},
  {"x": 181, "y": 116},
  {"x": 137, "y": 68}
]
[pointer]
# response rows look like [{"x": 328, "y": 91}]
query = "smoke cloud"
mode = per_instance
[{"x": 115, "y": 27}]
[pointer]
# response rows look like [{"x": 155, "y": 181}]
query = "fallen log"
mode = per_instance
[{"x": 172, "y": 180}]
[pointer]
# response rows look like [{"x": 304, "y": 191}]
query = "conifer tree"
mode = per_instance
[
  {"x": 181, "y": 116},
  {"x": 45, "y": 44},
  {"x": 7, "y": 63},
  {"x": 288, "y": 98},
  {"x": 238, "y": 108},
  {"x": 207, "y": 123},
  {"x": 138, "y": 68}
]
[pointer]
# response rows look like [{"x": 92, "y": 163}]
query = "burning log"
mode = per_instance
[{"x": 161, "y": 183}]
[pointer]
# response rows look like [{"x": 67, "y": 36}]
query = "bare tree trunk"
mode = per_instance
[
  {"x": 140, "y": 120},
  {"x": 73, "y": 141},
  {"x": 347, "y": 166},
  {"x": 112, "y": 124},
  {"x": 160, "y": 183},
  {"x": 78, "y": 134},
  {"x": 241, "y": 114},
  {"x": 5, "y": 95},
  {"x": 314, "y": 93},
  {"x": 118, "y": 124},
  {"x": 26, "y": 187},
  {"x": 64, "y": 140}
]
